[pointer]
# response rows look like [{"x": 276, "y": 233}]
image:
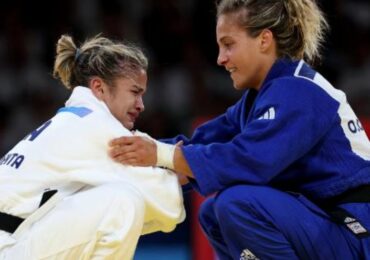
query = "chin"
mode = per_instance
[
  {"x": 128, "y": 125},
  {"x": 239, "y": 86}
]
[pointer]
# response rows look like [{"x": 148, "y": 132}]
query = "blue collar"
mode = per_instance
[{"x": 280, "y": 68}]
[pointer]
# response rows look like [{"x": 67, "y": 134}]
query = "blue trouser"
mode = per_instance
[{"x": 272, "y": 224}]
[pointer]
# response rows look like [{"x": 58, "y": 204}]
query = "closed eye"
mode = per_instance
[
  {"x": 227, "y": 45},
  {"x": 137, "y": 90}
]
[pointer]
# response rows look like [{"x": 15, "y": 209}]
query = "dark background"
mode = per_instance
[{"x": 185, "y": 83}]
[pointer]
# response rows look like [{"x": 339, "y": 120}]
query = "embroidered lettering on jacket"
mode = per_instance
[
  {"x": 12, "y": 159},
  {"x": 355, "y": 126}
]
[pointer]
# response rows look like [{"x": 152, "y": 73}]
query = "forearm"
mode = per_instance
[
  {"x": 171, "y": 157},
  {"x": 180, "y": 163}
]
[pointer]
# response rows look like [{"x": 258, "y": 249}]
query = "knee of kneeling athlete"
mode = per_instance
[
  {"x": 121, "y": 193},
  {"x": 236, "y": 200},
  {"x": 206, "y": 211}
]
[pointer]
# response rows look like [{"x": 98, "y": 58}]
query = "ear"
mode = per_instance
[
  {"x": 267, "y": 41},
  {"x": 97, "y": 86}
]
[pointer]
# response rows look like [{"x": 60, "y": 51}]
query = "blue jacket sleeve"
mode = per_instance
[{"x": 301, "y": 113}]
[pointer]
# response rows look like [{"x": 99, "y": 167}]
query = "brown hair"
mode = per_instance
[
  {"x": 298, "y": 26},
  {"x": 98, "y": 56}
]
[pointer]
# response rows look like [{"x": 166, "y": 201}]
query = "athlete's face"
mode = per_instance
[
  {"x": 242, "y": 56},
  {"x": 125, "y": 98}
]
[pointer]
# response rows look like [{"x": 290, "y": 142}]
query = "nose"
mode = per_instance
[
  {"x": 222, "y": 58},
  {"x": 140, "y": 104}
]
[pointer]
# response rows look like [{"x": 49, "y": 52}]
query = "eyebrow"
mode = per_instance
[
  {"x": 224, "y": 38},
  {"x": 139, "y": 88}
]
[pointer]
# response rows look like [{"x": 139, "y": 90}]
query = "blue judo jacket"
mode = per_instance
[{"x": 300, "y": 134}]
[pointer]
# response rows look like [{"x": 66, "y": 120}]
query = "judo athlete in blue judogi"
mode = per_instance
[{"x": 287, "y": 168}]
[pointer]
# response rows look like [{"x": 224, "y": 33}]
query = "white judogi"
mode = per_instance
[{"x": 101, "y": 206}]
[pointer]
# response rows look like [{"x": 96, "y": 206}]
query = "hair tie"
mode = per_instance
[{"x": 77, "y": 54}]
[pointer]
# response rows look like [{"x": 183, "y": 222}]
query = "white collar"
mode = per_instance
[{"x": 83, "y": 96}]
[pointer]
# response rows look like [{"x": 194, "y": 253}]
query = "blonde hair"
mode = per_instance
[
  {"x": 298, "y": 26},
  {"x": 98, "y": 56}
]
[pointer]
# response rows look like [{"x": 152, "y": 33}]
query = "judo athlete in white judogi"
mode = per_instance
[{"x": 61, "y": 196}]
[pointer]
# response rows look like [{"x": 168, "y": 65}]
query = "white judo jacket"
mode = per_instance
[{"x": 71, "y": 150}]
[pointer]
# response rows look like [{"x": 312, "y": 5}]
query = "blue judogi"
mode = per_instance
[{"x": 297, "y": 134}]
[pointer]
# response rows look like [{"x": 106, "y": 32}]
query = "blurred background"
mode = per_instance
[{"x": 185, "y": 86}]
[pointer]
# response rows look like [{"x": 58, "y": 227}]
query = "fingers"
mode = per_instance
[
  {"x": 118, "y": 150},
  {"x": 123, "y": 140},
  {"x": 127, "y": 157},
  {"x": 135, "y": 151},
  {"x": 179, "y": 143},
  {"x": 127, "y": 160},
  {"x": 123, "y": 145},
  {"x": 128, "y": 154},
  {"x": 131, "y": 159}
]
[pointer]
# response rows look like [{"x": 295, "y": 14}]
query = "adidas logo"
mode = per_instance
[
  {"x": 248, "y": 255},
  {"x": 349, "y": 220},
  {"x": 268, "y": 115}
]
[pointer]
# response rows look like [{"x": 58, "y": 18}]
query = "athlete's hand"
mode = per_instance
[{"x": 134, "y": 150}]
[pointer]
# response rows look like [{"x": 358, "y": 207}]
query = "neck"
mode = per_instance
[{"x": 264, "y": 70}]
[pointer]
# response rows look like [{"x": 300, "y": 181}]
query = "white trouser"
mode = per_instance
[{"x": 102, "y": 222}]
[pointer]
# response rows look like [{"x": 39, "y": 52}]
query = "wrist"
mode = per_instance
[{"x": 165, "y": 155}]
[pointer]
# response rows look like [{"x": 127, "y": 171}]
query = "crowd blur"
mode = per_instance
[{"x": 185, "y": 83}]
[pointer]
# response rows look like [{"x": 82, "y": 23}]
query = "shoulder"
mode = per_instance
[
  {"x": 300, "y": 89},
  {"x": 105, "y": 126},
  {"x": 293, "y": 95},
  {"x": 95, "y": 126}
]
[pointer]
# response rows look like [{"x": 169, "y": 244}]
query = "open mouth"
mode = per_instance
[
  {"x": 231, "y": 70},
  {"x": 133, "y": 116}
]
